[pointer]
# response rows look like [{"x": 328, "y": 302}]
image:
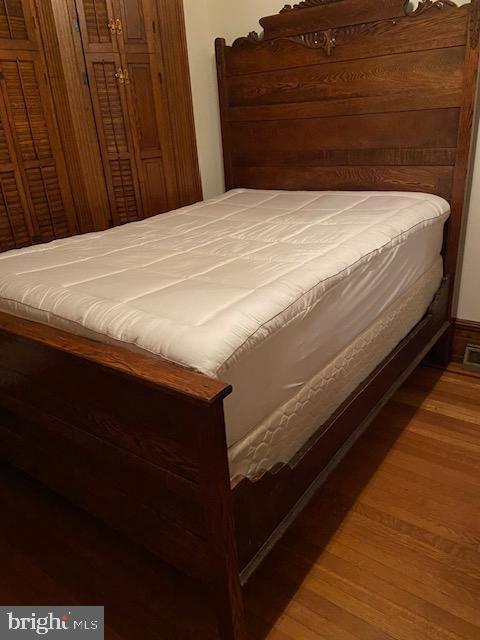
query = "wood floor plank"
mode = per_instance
[
  {"x": 401, "y": 588},
  {"x": 375, "y": 601}
]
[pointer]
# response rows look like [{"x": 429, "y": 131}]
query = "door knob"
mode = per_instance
[{"x": 115, "y": 26}]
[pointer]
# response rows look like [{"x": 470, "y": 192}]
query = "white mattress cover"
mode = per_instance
[
  {"x": 260, "y": 288},
  {"x": 282, "y": 435}
]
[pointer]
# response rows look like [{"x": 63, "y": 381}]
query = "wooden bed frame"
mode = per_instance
[{"x": 336, "y": 94}]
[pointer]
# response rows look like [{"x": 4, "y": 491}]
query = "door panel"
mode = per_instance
[
  {"x": 144, "y": 105},
  {"x": 111, "y": 116},
  {"x": 12, "y": 20},
  {"x": 16, "y": 25},
  {"x": 47, "y": 200},
  {"x": 151, "y": 135},
  {"x": 125, "y": 191},
  {"x": 16, "y": 227},
  {"x": 156, "y": 188},
  {"x": 29, "y": 113},
  {"x": 132, "y": 16},
  {"x": 94, "y": 18},
  {"x": 23, "y": 98},
  {"x": 14, "y": 231},
  {"x": 113, "y": 126}
]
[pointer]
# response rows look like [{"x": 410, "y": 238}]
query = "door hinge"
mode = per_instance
[
  {"x": 76, "y": 24},
  {"x": 85, "y": 78}
]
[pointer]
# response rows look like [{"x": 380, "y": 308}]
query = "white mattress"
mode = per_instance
[
  {"x": 259, "y": 288},
  {"x": 281, "y": 437}
]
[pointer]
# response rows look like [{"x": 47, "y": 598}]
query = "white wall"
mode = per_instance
[
  {"x": 229, "y": 19},
  {"x": 205, "y": 21}
]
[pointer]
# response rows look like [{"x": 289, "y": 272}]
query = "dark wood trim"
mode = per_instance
[
  {"x": 463, "y": 165},
  {"x": 220, "y": 45},
  {"x": 464, "y": 332}
]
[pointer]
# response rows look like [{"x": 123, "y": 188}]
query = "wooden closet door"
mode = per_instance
[
  {"x": 124, "y": 66},
  {"x": 35, "y": 198},
  {"x": 104, "y": 68},
  {"x": 115, "y": 137},
  {"x": 141, "y": 52}
]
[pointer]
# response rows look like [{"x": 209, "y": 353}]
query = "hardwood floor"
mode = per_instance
[{"x": 388, "y": 549}]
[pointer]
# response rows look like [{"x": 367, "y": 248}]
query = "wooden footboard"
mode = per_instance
[
  {"x": 138, "y": 442},
  {"x": 141, "y": 444}
]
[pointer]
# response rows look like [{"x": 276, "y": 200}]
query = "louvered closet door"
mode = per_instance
[
  {"x": 104, "y": 66},
  {"x": 111, "y": 114},
  {"x": 35, "y": 198},
  {"x": 124, "y": 69}
]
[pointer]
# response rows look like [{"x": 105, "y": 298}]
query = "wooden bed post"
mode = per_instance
[
  {"x": 219, "y": 518},
  {"x": 441, "y": 355}
]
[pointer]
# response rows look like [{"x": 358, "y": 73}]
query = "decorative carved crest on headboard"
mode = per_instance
[
  {"x": 327, "y": 40},
  {"x": 425, "y": 5}
]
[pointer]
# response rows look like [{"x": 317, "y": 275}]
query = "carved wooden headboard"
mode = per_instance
[{"x": 354, "y": 94}]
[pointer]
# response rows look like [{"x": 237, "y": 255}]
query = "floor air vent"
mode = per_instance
[{"x": 472, "y": 358}]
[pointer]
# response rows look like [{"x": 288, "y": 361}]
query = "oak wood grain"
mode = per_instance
[
  {"x": 338, "y": 14},
  {"x": 382, "y": 37},
  {"x": 401, "y": 130},
  {"x": 436, "y": 180},
  {"x": 428, "y": 72}
]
